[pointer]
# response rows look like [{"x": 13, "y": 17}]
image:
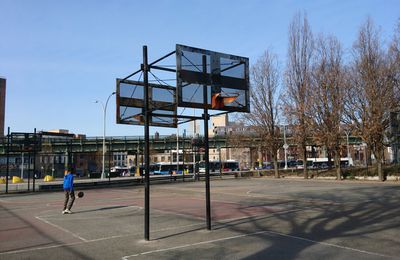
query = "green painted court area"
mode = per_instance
[{"x": 252, "y": 218}]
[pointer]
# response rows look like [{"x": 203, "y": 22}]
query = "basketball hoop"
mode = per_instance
[
  {"x": 139, "y": 117},
  {"x": 219, "y": 101}
]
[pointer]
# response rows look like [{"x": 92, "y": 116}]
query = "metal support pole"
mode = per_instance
[
  {"x": 193, "y": 151},
  {"x": 206, "y": 147},
  {"x": 109, "y": 161},
  {"x": 220, "y": 161},
  {"x": 348, "y": 149},
  {"x": 104, "y": 133},
  {"x": 103, "y": 172},
  {"x": 285, "y": 146},
  {"x": 137, "y": 161},
  {"x": 8, "y": 158},
  {"x": 183, "y": 154},
  {"x": 34, "y": 159},
  {"x": 22, "y": 163},
  {"x": 177, "y": 150},
  {"x": 146, "y": 147},
  {"x": 29, "y": 171}
]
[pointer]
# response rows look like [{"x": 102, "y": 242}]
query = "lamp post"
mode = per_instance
[
  {"x": 285, "y": 146},
  {"x": 104, "y": 132},
  {"x": 348, "y": 149}
]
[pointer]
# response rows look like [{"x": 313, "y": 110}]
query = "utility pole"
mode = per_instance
[{"x": 285, "y": 146}]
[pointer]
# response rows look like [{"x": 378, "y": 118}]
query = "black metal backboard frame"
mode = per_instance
[
  {"x": 226, "y": 75},
  {"x": 130, "y": 107}
]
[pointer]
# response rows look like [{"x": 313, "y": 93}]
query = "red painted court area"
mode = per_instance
[
  {"x": 256, "y": 218},
  {"x": 220, "y": 210},
  {"x": 35, "y": 220}
]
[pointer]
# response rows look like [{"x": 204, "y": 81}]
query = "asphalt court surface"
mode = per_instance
[{"x": 254, "y": 218}]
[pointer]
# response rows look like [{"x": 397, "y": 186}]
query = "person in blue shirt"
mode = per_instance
[{"x": 68, "y": 187}]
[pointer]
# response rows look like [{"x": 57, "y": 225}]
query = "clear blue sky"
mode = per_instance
[{"x": 60, "y": 56}]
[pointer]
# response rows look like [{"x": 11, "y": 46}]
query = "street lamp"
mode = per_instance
[
  {"x": 347, "y": 131},
  {"x": 285, "y": 146},
  {"x": 104, "y": 132}
]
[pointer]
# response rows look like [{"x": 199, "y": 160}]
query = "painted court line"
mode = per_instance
[
  {"x": 253, "y": 234},
  {"x": 63, "y": 229},
  {"x": 89, "y": 241},
  {"x": 85, "y": 209}
]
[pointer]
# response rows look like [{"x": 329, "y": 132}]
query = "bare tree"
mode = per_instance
[
  {"x": 394, "y": 59},
  {"x": 264, "y": 117},
  {"x": 372, "y": 93},
  {"x": 327, "y": 96},
  {"x": 297, "y": 78},
  {"x": 394, "y": 66}
]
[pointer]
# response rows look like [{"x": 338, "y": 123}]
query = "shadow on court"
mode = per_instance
[{"x": 257, "y": 218}]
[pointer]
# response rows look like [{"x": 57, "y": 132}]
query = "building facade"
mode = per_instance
[{"x": 2, "y": 105}]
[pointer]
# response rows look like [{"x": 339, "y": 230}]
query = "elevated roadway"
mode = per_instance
[{"x": 136, "y": 143}]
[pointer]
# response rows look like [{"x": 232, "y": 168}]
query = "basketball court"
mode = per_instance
[{"x": 256, "y": 218}]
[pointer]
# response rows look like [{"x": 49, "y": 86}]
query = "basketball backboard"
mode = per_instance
[
  {"x": 226, "y": 77},
  {"x": 130, "y": 104}
]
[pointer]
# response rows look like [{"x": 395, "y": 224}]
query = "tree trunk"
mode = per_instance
[
  {"x": 251, "y": 159},
  {"x": 305, "y": 170},
  {"x": 330, "y": 159},
  {"x": 276, "y": 170},
  {"x": 338, "y": 168},
  {"x": 379, "y": 155},
  {"x": 380, "y": 171}
]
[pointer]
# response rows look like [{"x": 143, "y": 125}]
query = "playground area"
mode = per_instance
[{"x": 252, "y": 218}]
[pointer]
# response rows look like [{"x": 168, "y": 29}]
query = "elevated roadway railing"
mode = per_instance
[{"x": 136, "y": 143}]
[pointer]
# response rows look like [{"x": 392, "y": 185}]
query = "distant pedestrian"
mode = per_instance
[{"x": 69, "y": 192}]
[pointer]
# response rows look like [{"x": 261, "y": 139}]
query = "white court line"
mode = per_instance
[
  {"x": 63, "y": 229},
  {"x": 39, "y": 248},
  {"x": 88, "y": 210},
  {"x": 89, "y": 241},
  {"x": 153, "y": 231},
  {"x": 252, "y": 234}
]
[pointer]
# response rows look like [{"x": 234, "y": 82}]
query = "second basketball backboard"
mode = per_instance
[{"x": 130, "y": 104}]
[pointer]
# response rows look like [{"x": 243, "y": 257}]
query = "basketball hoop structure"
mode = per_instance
[{"x": 204, "y": 80}]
